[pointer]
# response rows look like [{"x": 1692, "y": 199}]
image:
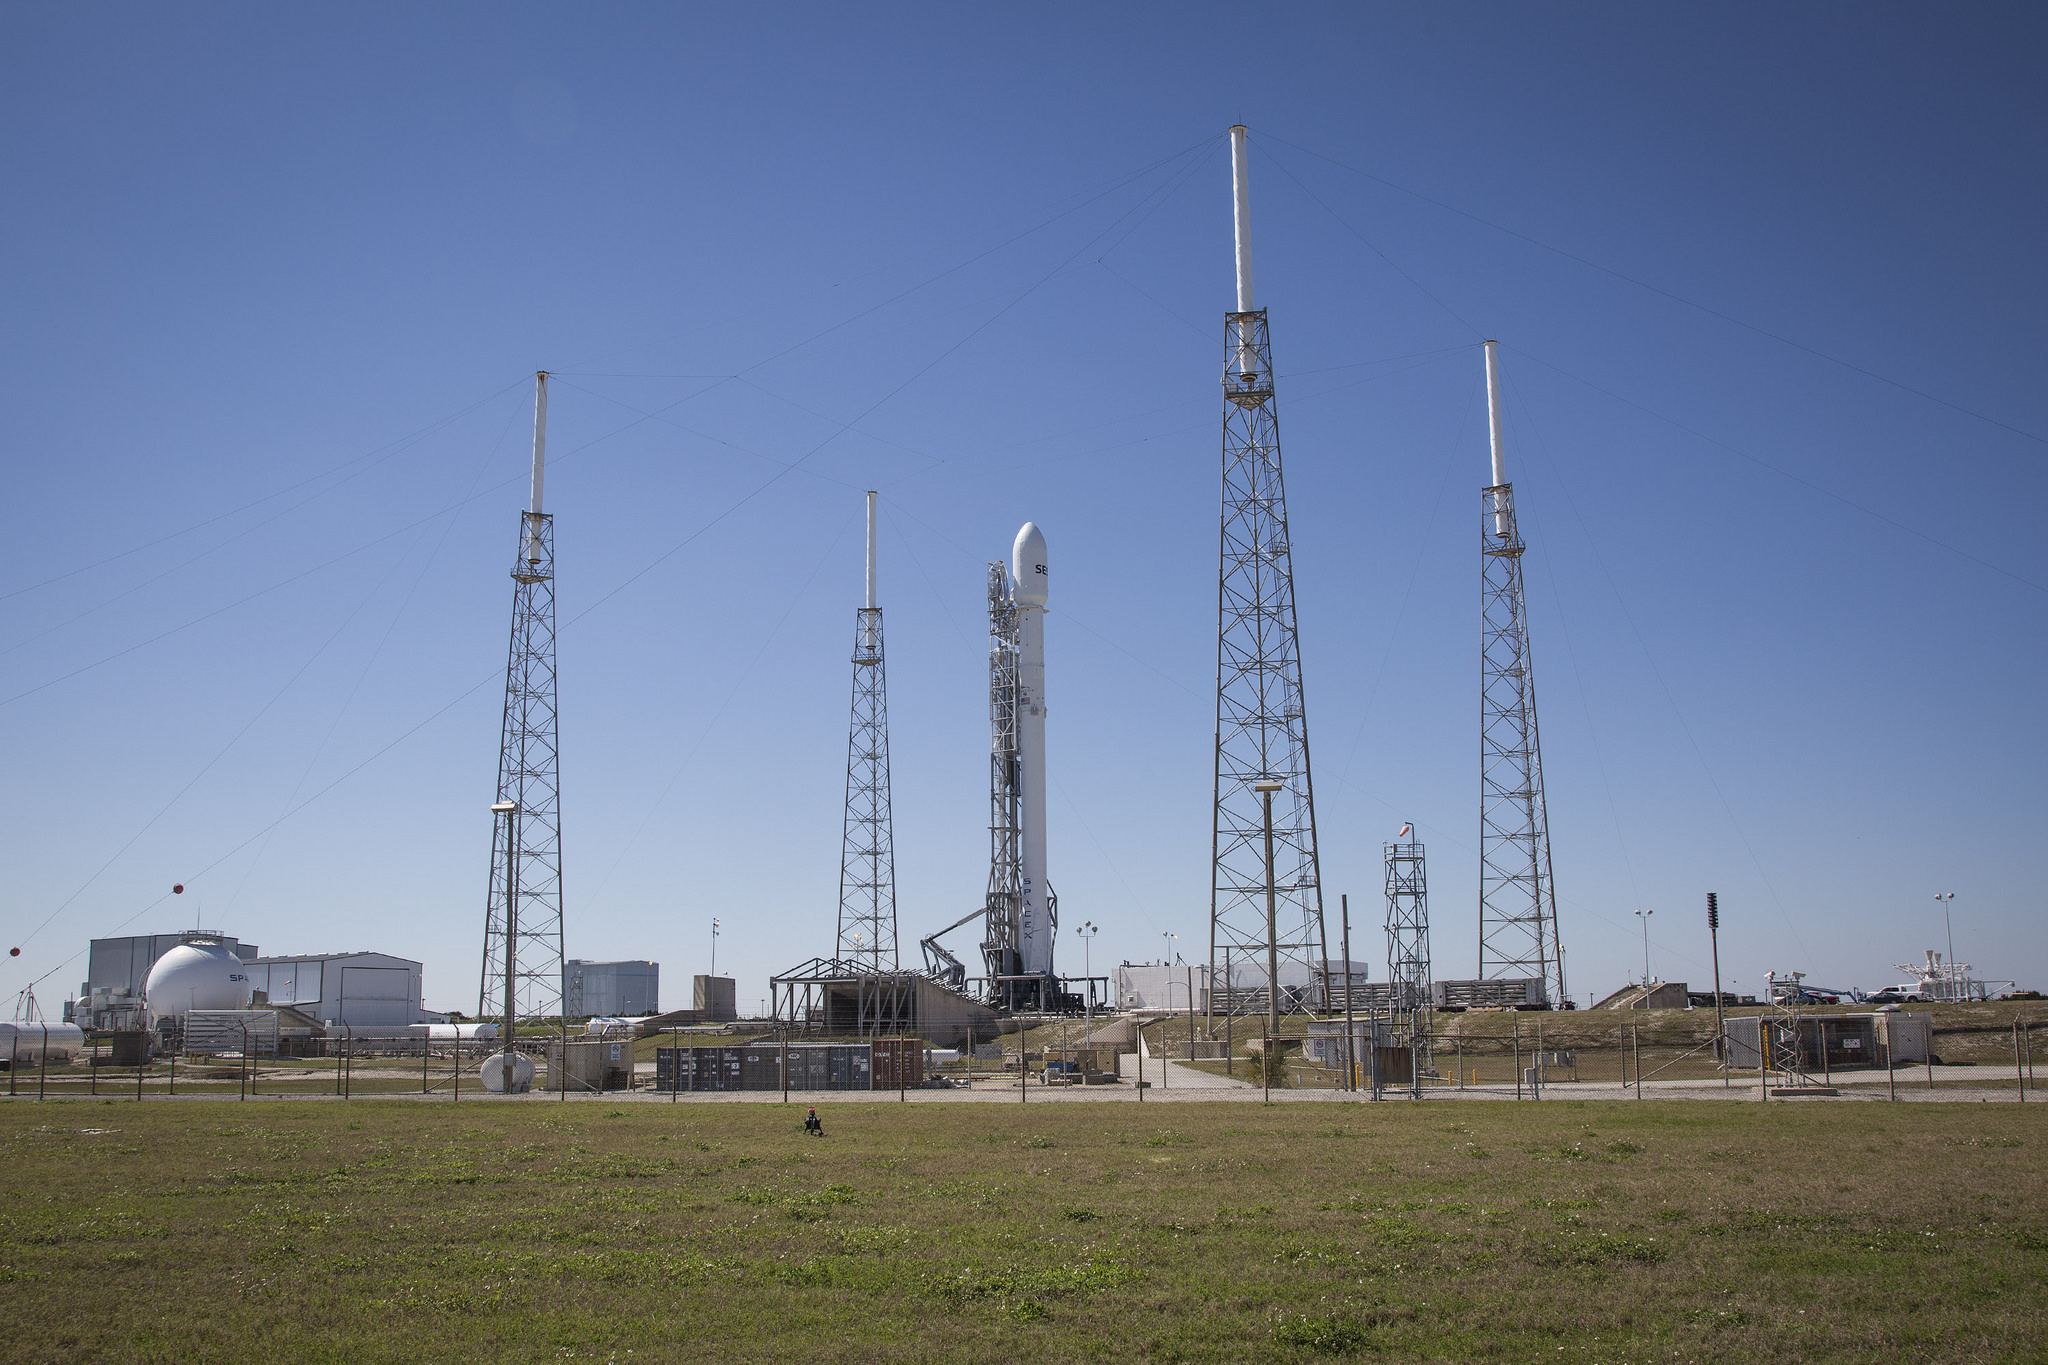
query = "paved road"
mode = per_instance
[{"x": 1168, "y": 1076}]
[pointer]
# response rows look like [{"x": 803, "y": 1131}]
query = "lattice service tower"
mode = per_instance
[
  {"x": 867, "y": 858},
  {"x": 1021, "y": 912},
  {"x": 1261, "y": 723},
  {"x": 1517, "y": 902},
  {"x": 1408, "y": 946},
  {"x": 522, "y": 969}
]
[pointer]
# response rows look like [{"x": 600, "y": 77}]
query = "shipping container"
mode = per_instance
[
  {"x": 898, "y": 1063},
  {"x": 812, "y": 1066}
]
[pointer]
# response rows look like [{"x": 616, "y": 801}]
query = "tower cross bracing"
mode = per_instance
[
  {"x": 525, "y": 893},
  {"x": 867, "y": 860},
  {"x": 1517, "y": 898},
  {"x": 1261, "y": 717}
]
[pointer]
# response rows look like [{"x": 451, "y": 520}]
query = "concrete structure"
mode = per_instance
[
  {"x": 716, "y": 998},
  {"x": 1658, "y": 995},
  {"x": 625, "y": 988},
  {"x": 360, "y": 992}
]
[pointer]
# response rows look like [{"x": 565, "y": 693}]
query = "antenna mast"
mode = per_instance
[
  {"x": 867, "y": 858},
  {"x": 1261, "y": 721},
  {"x": 525, "y": 890},
  {"x": 1517, "y": 902}
]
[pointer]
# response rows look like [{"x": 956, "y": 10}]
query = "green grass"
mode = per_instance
[{"x": 510, "y": 1232}]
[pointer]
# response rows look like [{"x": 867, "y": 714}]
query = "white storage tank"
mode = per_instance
[
  {"x": 198, "y": 974},
  {"x": 22, "y": 1044}
]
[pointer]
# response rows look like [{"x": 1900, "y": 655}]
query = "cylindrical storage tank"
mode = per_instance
[
  {"x": 22, "y": 1044},
  {"x": 203, "y": 974}
]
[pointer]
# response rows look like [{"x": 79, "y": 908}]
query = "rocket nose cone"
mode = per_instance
[{"x": 1027, "y": 567}]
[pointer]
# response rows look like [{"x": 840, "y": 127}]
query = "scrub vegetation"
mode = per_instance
[{"x": 392, "y": 1231}]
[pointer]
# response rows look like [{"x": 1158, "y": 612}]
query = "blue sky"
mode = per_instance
[{"x": 1767, "y": 287}]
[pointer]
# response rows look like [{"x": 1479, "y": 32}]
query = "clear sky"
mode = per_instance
[{"x": 1767, "y": 284}]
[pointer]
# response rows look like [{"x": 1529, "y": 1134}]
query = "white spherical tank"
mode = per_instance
[{"x": 203, "y": 974}]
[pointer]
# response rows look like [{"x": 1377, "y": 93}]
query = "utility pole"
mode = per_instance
[
  {"x": 1720, "y": 1022},
  {"x": 1350, "y": 1020},
  {"x": 1265, "y": 787}
]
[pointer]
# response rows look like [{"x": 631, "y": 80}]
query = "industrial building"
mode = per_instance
[
  {"x": 625, "y": 989},
  {"x": 117, "y": 969},
  {"x": 842, "y": 998},
  {"x": 353, "y": 991}
]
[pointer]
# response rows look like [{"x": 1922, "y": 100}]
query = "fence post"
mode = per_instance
[
  {"x": 95, "y": 1066},
  {"x": 43, "y": 1074},
  {"x": 2019, "y": 1067}
]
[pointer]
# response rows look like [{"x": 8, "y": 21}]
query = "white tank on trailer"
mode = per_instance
[
  {"x": 22, "y": 1044},
  {"x": 452, "y": 1033},
  {"x": 198, "y": 974}
]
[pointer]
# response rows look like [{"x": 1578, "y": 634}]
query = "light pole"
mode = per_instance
[
  {"x": 714, "y": 947},
  {"x": 1644, "y": 916},
  {"x": 1171, "y": 939},
  {"x": 1087, "y": 933},
  {"x": 1946, "y": 900},
  {"x": 1265, "y": 787},
  {"x": 510, "y": 810}
]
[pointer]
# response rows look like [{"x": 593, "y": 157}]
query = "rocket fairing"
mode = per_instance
[{"x": 1028, "y": 592}]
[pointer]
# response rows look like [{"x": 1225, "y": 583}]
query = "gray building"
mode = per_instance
[
  {"x": 610, "y": 988},
  {"x": 120, "y": 965},
  {"x": 716, "y": 998},
  {"x": 357, "y": 991}
]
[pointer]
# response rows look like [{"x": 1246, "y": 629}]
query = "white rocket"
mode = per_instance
[{"x": 1027, "y": 592}]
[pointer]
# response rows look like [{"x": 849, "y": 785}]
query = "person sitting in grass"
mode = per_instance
[{"x": 813, "y": 1125}]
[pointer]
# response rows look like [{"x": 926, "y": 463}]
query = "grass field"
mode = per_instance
[{"x": 1608, "y": 1232}]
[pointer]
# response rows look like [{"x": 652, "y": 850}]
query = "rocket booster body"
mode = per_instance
[{"x": 1028, "y": 592}]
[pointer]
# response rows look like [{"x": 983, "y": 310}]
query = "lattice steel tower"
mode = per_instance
[
  {"x": 525, "y": 896},
  {"x": 1408, "y": 946},
  {"x": 867, "y": 857},
  {"x": 1517, "y": 902},
  {"x": 1261, "y": 723},
  {"x": 1004, "y": 906}
]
